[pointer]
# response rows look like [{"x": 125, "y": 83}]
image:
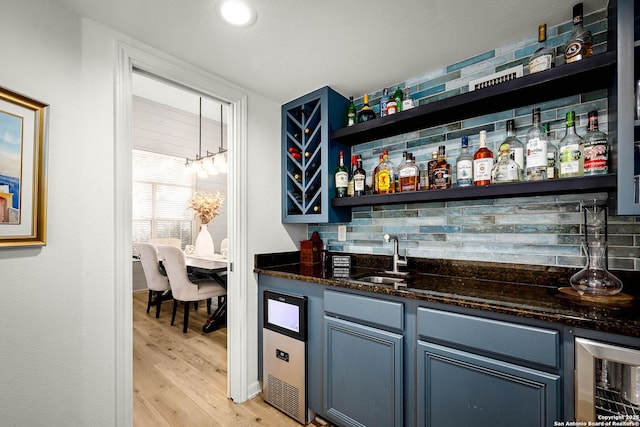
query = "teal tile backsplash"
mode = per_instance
[{"x": 542, "y": 230}]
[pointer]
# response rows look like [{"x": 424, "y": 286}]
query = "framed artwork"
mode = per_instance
[{"x": 23, "y": 180}]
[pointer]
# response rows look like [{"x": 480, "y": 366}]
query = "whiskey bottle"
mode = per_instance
[
  {"x": 351, "y": 113},
  {"x": 430, "y": 165},
  {"x": 366, "y": 113},
  {"x": 544, "y": 57},
  {"x": 580, "y": 43},
  {"x": 516, "y": 148},
  {"x": 409, "y": 175},
  {"x": 441, "y": 171},
  {"x": 359, "y": 179},
  {"x": 398, "y": 96},
  {"x": 506, "y": 169},
  {"x": 536, "y": 144},
  {"x": 571, "y": 150},
  {"x": 464, "y": 165},
  {"x": 383, "y": 102},
  {"x": 342, "y": 178},
  {"x": 596, "y": 148},
  {"x": 408, "y": 102},
  {"x": 482, "y": 162}
]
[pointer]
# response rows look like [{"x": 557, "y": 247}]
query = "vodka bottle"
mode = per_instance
[
  {"x": 536, "y": 158},
  {"x": 464, "y": 165}
]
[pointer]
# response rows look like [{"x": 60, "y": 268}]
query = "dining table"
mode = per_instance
[{"x": 214, "y": 267}]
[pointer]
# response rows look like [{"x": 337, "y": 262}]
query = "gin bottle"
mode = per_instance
[
  {"x": 544, "y": 57},
  {"x": 596, "y": 148},
  {"x": 571, "y": 150},
  {"x": 580, "y": 43},
  {"x": 464, "y": 165},
  {"x": 536, "y": 149},
  {"x": 383, "y": 102}
]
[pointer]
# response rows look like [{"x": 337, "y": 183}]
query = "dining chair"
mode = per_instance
[
  {"x": 157, "y": 283},
  {"x": 183, "y": 289}
]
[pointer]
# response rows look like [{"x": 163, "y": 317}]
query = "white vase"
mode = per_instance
[{"x": 204, "y": 242}]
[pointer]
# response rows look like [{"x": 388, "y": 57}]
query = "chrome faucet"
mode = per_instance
[{"x": 397, "y": 262}]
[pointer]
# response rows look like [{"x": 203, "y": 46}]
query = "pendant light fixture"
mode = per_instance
[{"x": 211, "y": 163}]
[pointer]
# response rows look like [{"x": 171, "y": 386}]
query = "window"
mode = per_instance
[{"x": 160, "y": 198}]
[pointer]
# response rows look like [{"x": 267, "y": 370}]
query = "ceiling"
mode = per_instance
[{"x": 356, "y": 47}]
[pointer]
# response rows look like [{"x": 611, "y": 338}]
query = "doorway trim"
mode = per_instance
[{"x": 161, "y": 65}]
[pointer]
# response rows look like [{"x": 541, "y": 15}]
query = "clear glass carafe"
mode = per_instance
[{"x": 595, "y": 278}]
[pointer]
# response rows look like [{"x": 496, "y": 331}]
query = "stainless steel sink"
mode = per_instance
[{"x": 396, "y": 282}]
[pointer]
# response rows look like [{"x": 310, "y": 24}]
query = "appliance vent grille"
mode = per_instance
[
  {"x": 283, "y": 396},
  {"x": 496, "y": 78}
]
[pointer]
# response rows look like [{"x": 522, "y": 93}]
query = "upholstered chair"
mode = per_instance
[{"x": 157, "y": 283}]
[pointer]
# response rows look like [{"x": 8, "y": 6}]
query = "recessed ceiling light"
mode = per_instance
[{"x": 237, "y": 12}]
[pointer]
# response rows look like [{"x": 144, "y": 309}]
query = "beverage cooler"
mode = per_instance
[
  {"x": 607, "y": 382},
  {"x": 284, "y": 354}
]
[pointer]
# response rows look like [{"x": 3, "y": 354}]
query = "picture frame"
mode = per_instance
[{"x": 23, "y": 178}]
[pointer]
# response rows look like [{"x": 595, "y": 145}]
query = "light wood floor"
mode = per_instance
[{"x": 181, "y": 379}]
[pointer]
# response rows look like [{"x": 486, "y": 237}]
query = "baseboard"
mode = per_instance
[{"x": 254, "y": 389}]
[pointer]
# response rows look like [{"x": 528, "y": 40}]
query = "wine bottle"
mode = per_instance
[{"x": 341, "y": 177}]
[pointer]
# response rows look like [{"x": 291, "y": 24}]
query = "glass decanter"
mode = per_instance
[{"x": 595, "y": 279}]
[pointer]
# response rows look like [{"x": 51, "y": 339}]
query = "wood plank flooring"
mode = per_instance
[{"x": 181, "y": 379}]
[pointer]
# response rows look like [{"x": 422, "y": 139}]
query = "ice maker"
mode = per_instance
[{"x": 284, "y": 354}]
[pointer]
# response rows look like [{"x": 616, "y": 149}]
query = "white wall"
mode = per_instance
[{"x": 58, "y": 306}]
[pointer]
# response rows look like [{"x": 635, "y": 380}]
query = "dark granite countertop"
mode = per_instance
[{"x": 526, "y": 291}]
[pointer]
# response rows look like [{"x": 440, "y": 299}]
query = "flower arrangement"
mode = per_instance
[{"x": 206, "y": 206}]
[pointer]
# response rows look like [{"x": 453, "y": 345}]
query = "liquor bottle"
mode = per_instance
[
  {"x": 398, "y": 96},
  {"x": 366, "y": 113},
  {"x": 384, "y": 177},
  {"x": 536, "y": 143},
  {"x": 342, "y": 178},
  {"x": 464, "y": 165},
  {"x": 516, "y": 148},
  {"x": 552, "y": 155},
  {"x": 580, "y": 43},
  {"x": 392, "y": 106},
  {"x": 571, "y": 150},
  {"x": 482, "y": 162},
  {"x": 544, "y": 57},
  {"x": 383, "y": 102},
  {"x": 351, "y": 113},
  {"x": 375, "y": 174},
  {"x": 359, "y": 179},
  {"x": 441, "y": 171},
  {"x": 408, "y": 102},
  {"x": 430, "y": 165},
  {"x": 397, "y": 171},
  {"x": 354, "y": 162},
  {"x": 506, "y": 169},
  {"x": 596, "y": 148},
  {"x": 409, "y": 175}
]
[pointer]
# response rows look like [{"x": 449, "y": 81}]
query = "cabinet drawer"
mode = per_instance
[
  {"x": 522, "y": 342},
  {"x": 372, "y": 311}
]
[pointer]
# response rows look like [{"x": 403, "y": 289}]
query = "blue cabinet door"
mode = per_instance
[
  {"x": 456, "y": 388},
  {"x": 363, "y": 375}
]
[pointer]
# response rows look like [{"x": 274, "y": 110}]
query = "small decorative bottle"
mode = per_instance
[
  {"x": 482, "y": 162},
  {"x": 464, "y": 165}
]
